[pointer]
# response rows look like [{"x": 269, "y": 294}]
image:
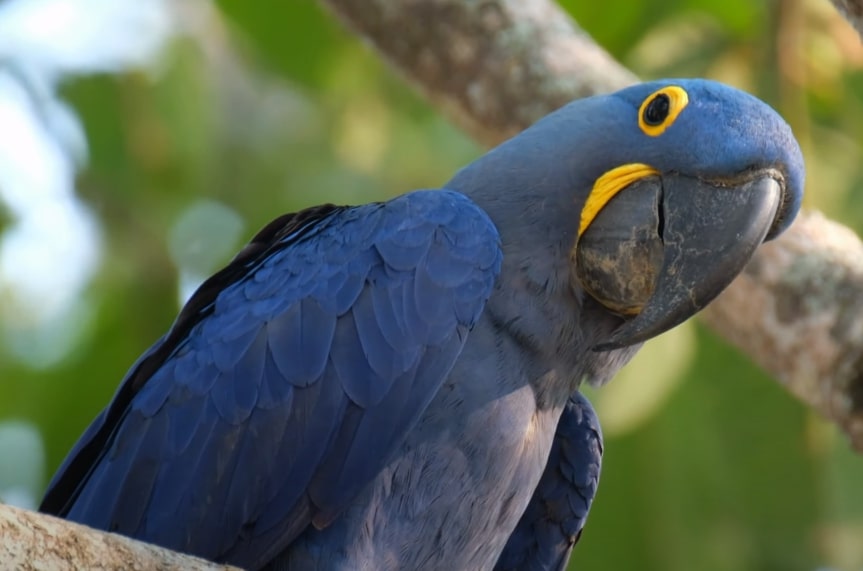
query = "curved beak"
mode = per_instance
[{"x": 709, "y": 232}]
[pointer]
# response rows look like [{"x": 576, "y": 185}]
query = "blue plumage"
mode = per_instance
[
  {"x": 323, "y": 392},
  {"x": 394, "y": 386}
]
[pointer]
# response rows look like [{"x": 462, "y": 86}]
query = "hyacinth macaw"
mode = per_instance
[{"x": 395, "y": 385}]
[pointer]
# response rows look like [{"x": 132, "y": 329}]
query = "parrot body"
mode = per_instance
[{"x": 394, "y": 385}]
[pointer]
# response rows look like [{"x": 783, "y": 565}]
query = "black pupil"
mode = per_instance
[{"x": 657, "y": 110}]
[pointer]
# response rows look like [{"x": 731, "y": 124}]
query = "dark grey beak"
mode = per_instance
[{"x": 708, "y": 232}]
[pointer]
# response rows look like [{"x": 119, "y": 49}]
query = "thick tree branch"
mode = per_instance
[
  {"x": 30, "y": 540},
  {"x": 495, "y": 66}
]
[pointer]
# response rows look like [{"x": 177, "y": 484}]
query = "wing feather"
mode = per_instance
[{"x": 288, "y": 380}]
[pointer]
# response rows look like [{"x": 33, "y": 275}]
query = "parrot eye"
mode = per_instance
[
  {"x": 661, "y": 108},
  {"x": 657, "y": 110}
]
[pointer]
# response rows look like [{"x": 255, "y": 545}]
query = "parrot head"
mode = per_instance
[
  {"x": 710, "y": 173},
  {"x": 667, "y": 188}
]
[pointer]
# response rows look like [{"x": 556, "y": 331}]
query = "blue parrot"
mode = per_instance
[{"x": 395, "y": 385}]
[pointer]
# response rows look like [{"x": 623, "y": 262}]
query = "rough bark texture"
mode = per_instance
[
  {"x": 495, "y": 66},
  {"x": 30, "y": 541}
]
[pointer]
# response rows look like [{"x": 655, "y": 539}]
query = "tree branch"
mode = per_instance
[
  {"x": 30, "y": 540},
  {"x": 496, "y": 66},
  {"x": 796, "y": 310}
]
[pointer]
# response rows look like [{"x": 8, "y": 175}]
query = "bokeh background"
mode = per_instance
[{"x": 142, "y": 142}]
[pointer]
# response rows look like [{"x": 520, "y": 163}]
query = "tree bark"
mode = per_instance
[
  {"x": 496, "y": 66},
  {"x": 30, "y": 540}
]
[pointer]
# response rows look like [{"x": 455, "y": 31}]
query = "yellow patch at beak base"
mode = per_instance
[{"x": 607, "y": 186}]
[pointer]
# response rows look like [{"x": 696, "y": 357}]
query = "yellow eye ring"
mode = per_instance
[{"x": 660, "y": 109}]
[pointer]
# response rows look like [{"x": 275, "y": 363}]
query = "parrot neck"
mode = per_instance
[
  {"x": 528, "y": 196},
  {"x": 537, "y": 303}
]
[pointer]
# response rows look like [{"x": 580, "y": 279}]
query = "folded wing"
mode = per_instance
[{"x": 288, "y": 380}]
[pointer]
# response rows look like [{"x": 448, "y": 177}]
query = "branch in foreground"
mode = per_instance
[
  {"x": 30, "y": 540},
  {"x": 497, "y": 66}
]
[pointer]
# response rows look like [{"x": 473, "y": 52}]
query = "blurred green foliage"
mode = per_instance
[{"x": 272, "y": 106}]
